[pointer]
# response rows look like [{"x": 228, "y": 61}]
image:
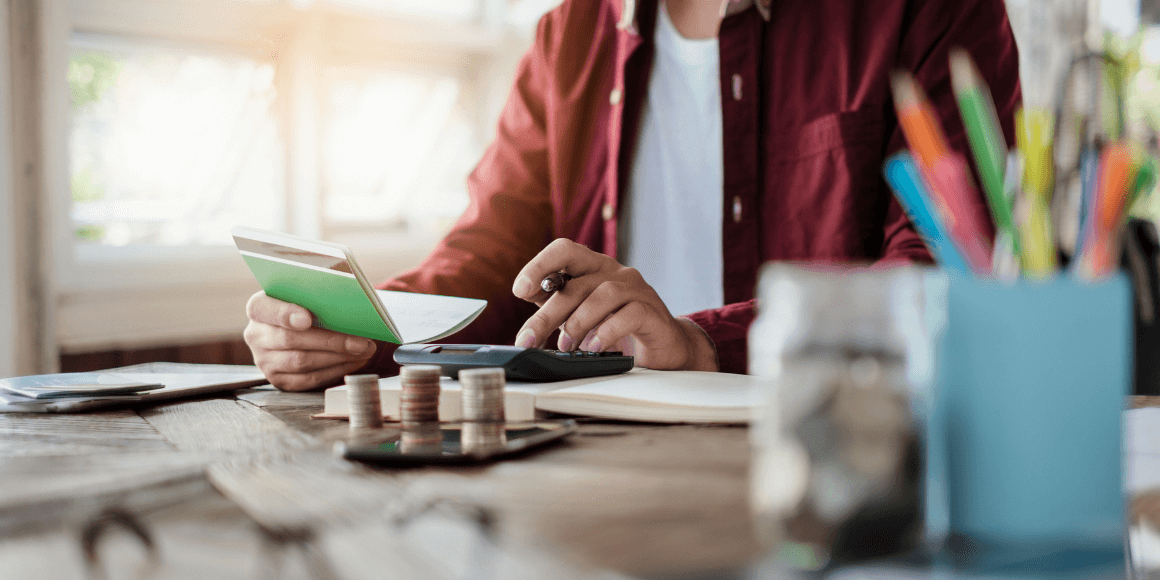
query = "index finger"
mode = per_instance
[
  {"x": 267, "y": 310},
  {"x": 562, "y": 255}
]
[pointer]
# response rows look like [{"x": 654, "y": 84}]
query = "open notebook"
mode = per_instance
[
  {"x": 323, "y": 278},
  {"x": 639, "y": 395}
]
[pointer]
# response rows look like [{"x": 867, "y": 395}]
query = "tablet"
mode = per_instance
[{"x": 454, "y": 443}]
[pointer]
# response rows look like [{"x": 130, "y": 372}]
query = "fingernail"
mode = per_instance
[
  {"x": 566, "y": 342},
  {"x": 526, "y": 338},
  {"x": 594, "y": 345},
  {"x": 300, "y": 320},
  {"x": 523, "y": 287},
  {"x": 357, "y": 345}
]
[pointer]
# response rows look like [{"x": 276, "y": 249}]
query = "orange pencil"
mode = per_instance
[
  {"x": 946, "y": 173},
  {"x": 918, "y": 120},
  {"x": 1119, "y": 165},
  {"x": 1117, "y": 172}
]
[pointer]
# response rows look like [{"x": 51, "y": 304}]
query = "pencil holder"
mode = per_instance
[{"x": 1025, "y": 425}]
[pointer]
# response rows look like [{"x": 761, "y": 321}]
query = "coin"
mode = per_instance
[
  {"x": 366, "y": 410},
  {"x": 483, "y": 394},
  {"x": 482, "y": 438},
  {"x": 419, "y": 399},
  {"x": 423, "y": 438}
]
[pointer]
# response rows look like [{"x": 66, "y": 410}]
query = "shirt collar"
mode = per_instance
[{"x": 728, "y": 8}]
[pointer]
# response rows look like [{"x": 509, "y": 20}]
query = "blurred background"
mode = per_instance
[
  {"x": 135, "y": 133},
  {"x": 139, "y": 132}
]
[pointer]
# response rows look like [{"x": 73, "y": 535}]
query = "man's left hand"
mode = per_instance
[{"x": 607, "y": 306}]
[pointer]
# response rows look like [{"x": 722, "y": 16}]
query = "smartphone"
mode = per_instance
[{"x": 454, "y": 443}]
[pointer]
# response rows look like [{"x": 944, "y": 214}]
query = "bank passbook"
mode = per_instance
[
  {"x": 323, "y": 278},
  {"x": 519, "y": 364}
]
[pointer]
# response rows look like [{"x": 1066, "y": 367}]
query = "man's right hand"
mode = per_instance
[{"x": 293, "y": 354}]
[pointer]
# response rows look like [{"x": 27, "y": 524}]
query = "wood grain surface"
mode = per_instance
[
  {"x": 235, "y": 487},
  {"x": 225, "y": 426},
  {"x": 111, "y": 432},
  {"x": 308, "y": 490}
]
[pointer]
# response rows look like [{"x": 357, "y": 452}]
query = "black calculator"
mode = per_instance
[{"x": 535, "y": 365}]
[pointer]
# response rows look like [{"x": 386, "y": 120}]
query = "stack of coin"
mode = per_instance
[
  {"x": 366, "y": 412},
  {"x": 419, "y": 402},
  {"x": 421, "y": 439},
  {"x": 482, "y": 394},
  {"x": 482, "y": 438}
]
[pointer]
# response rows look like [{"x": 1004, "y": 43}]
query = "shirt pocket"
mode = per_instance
[
  {"x": 824, "y": 192},
  {"x": 862, "y": 128}
]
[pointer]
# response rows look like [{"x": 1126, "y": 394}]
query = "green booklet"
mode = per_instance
[{"x": 324, "y": 278}]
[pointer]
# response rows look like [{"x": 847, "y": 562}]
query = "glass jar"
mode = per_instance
[{"x": 837, "y": 458}]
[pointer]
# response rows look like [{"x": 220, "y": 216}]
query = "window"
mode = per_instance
[
  {"x": 167, "y": 122},
  {"x": 397, "y": 148},
  {"x": 171, "y": 148}
]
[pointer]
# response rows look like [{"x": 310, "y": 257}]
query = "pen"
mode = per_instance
[
  {"x": 554, "y": 282},
  {"x": 1074, "y": 227},
  {"x": 1006, "y": 260}
]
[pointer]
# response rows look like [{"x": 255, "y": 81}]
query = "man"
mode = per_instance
[{"x": 694, "y": 140}]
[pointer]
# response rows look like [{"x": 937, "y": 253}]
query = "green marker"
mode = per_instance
[
  {"x": 985, "y": 136},
  {"x": 1145, "y": 179}
]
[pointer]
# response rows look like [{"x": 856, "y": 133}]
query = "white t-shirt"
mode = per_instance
[{"x": 670, "y": 228}]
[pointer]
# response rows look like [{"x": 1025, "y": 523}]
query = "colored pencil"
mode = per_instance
[
  {"x": 904, "y": 178},
  {"x": 985, "y": 136},
  {"x": 918, "y": 120}
]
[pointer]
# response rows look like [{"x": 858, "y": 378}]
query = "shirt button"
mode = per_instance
[
  {"x": 736, "y": 209},
  {"x": 607, "y": 212},
  {"x": 736, "y": 87},
  {"x": 616, "y": 95}
]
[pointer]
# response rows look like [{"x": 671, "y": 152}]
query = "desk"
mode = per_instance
[{"x": 204, "y": 475}]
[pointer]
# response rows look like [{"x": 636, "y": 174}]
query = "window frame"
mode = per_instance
[{"x": 103, "y": 297}]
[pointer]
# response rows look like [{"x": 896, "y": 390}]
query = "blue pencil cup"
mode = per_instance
[{"x": 1025, "y": 424}]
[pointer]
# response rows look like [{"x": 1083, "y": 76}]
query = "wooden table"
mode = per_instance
[{"x": 247, "y": 485}]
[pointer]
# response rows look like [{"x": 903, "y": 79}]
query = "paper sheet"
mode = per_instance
[{"x": 426, "y": 317}]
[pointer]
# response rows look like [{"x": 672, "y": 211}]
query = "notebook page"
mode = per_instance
[
  {"x": 427, "y": 317},
  {"x": 666, "y": 396}
]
